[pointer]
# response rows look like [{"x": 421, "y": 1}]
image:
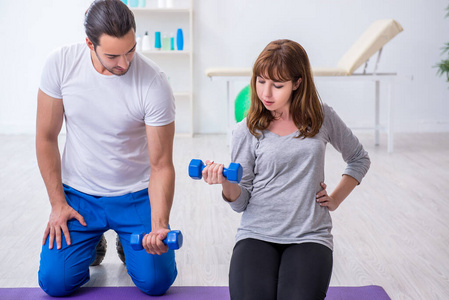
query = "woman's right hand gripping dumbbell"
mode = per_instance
[{"x": 213, "y": 174}]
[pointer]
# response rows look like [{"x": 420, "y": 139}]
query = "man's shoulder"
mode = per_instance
[
  {"x": 145, "y": 65},
  {"x": 71, "y": 48},
  {"x": 68, "y": 52}
]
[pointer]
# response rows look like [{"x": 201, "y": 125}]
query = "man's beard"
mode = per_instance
[{"x": 118, "y": 73}]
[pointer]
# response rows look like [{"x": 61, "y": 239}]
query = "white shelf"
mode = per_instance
[
  {"x": 178, "y": 65},
  {"x": 170, "y": 52},
  {"x": 160, "y": 10}
]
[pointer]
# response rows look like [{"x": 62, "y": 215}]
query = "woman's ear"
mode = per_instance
[{"x": 297, "y": 83}]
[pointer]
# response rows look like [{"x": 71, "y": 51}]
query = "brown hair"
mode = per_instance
[{"x": 286, "y": 60}]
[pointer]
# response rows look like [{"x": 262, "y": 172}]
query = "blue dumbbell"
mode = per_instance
[
  {"x": 173, "y": 240},
  {"x": 233, "y": 173}
]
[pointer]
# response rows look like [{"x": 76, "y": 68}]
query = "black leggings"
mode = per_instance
[{"x": 261, "y": 270}]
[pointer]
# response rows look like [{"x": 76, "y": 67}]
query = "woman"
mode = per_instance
[{"x": 284, "y": 243}]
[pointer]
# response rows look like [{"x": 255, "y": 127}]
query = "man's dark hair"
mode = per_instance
[{"x": 110, "y": 17}]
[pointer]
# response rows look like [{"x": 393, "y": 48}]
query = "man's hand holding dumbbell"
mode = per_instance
[
  {"x": 153, "y": 241},
  {"x": 173, "y": 241},
  {"x": 214, "y": 173}
]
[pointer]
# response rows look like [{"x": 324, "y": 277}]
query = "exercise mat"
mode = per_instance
[{"x": 371, "y": 292}]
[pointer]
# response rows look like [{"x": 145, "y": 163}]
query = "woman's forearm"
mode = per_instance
[
  {"x": 344, "y": 188},
  {"x": 231, "y": 191}
]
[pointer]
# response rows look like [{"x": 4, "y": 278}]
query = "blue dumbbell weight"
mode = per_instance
[
  {"x": 233, "y": 173},
  {"x": 173, "y": 240}
]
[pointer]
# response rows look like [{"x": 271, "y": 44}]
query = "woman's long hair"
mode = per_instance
[{"x": 286, "y": 60}]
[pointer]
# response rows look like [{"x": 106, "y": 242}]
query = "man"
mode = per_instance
[{"x": 119, "y": 112}]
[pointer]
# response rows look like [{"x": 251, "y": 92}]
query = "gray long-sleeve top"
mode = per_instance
[{"x": 281, "y": 176}]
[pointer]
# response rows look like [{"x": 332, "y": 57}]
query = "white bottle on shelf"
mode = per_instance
[
  {"x": 146, "y": 44},
  {"x": 138, "y": 43}
]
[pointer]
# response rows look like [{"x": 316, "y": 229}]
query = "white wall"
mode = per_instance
[
  {"x": 29, "y": 31},
  {"x": 232, "y": 33}
]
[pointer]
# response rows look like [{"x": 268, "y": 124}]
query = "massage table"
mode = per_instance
[{"x": 371, "y": 41}]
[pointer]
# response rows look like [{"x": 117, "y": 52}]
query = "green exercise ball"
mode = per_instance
[{"x": 242, "y": 102}]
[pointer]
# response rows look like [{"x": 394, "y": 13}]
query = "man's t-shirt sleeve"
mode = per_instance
[
  {"x": 159, "y": 102},
  {"x": 51, "y": 76}
]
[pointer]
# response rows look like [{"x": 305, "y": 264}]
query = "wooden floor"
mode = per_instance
[{"x": 393, "y": 231}]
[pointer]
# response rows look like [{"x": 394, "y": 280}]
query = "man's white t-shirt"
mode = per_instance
[{"x": 106, "y": 151}]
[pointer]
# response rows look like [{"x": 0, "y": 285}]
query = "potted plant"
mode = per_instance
[{"x": 443, "y": 65}]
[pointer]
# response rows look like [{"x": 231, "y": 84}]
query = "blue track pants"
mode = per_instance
[{"x": 63, "y": 271}]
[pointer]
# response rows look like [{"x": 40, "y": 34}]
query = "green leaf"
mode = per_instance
[{"x": 443, "y": 66}]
